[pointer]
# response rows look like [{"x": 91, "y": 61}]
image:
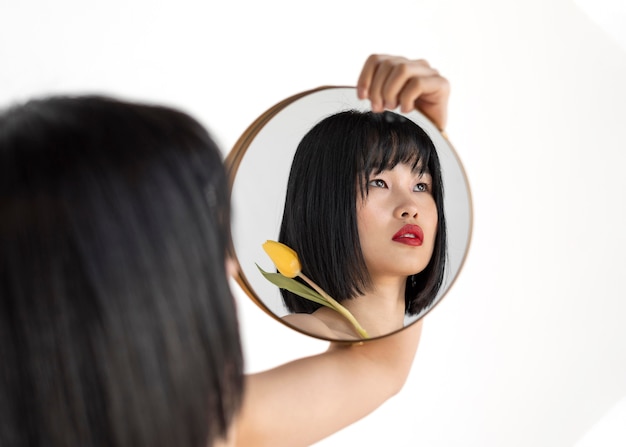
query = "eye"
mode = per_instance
[
  {"x": 377, "y": 183},
  {"x": 422, "y": 187}
]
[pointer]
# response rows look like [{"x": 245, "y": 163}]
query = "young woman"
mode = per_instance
[
  {"x": 117, "y": 327},
  {"x": 364, "y": 211}
]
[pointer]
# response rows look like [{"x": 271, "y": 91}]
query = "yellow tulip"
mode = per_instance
[
  {"x": 288, "y": 264},
  {"x": 285, "y": 258}
]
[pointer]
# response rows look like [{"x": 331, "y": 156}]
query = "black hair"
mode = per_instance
[
  {"x": 319, "y": 219},
  {"x": 117, "y": 325}
]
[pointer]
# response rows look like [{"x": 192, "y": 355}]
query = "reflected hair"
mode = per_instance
[
  {"x": 117, "y": 325},
  {"x": 329, "y": 172}
]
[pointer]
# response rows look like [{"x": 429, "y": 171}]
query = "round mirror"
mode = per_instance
[{"x": 259, "y": 166}]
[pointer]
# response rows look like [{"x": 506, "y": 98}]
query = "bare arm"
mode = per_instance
[{"x": 304, "y": 401}]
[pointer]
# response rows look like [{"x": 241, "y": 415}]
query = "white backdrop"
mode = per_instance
[{"x": 529, "y": 347}]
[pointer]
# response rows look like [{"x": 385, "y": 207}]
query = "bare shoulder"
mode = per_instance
[
  {"x": 322, "y": 323},
  {"x": 309, "y": 323}
]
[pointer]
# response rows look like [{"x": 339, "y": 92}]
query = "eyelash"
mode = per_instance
[{"x": 376, "y": 184}]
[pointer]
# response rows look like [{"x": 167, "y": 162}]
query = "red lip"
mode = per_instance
[{"x": 409, "y": 235}]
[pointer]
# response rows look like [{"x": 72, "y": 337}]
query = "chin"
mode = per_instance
[{"x": 418, "y": 270}]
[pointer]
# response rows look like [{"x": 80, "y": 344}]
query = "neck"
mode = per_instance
[{"x": 380, "y": 310}]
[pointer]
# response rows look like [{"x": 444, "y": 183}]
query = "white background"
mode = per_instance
[{"x": 529, "y": 347}]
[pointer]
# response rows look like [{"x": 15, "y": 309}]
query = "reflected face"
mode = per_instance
[{"x": 397, "y": 222}]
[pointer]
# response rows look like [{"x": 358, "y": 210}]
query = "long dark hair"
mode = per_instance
[
  {"x": 319, "y": 219},
  {"x": 117, "y": 326}
]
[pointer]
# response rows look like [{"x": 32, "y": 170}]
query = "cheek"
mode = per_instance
[
  {"x": 431, "y": 220},
  {"x": 429, "y": 213},
  {"x": 369, "y": 229},
  {"x": 364, "y": 217},
  {"x": 363, "y": 227}
]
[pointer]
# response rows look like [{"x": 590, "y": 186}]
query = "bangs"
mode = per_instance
[{"x": 393, "y": 140}]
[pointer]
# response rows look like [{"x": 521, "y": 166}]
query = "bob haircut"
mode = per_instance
[
  {"x": 319, "y": 220},
  {"x": 117, "y": 326}
]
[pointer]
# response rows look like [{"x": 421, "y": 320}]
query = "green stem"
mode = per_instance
[{"x": 338, "y": 307}]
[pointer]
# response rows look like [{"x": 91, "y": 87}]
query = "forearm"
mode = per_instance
[{"x": 304, "y": 401}]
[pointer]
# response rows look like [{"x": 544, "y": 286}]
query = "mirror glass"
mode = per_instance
[{"x": 259, "y": 167}]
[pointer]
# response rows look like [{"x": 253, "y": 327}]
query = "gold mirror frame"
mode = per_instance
[{"x": 299, "y": 113}]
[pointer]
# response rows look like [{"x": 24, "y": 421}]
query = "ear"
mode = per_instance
[{"x": 232, "y": 267}]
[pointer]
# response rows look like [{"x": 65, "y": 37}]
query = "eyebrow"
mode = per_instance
[
  {"x": 424, "y": 173},
  {"x": 420, "y": 169},
  {"x": 417, "y": 171}
]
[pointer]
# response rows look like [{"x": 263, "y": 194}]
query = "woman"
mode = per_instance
[
  {"x": 117, "y": 327},
  {"x": 364, "y": 211}
]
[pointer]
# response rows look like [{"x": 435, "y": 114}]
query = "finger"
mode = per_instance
[
  {"x": 378, "y": 84},
  {"x": 386, "y": 77},
  {"x": 429, "y": 95},
  {"x": 367, "y": 74},
  {"x": 400, "y": 75},
  {"x": 427, "y": 88}
]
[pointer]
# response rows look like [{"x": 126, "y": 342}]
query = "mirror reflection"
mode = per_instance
[{"x": 376, "y": 206}]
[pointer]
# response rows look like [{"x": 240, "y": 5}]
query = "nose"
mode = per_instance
[{"x": 406, "y": 209}]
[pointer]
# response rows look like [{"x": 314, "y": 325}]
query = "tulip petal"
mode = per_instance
[{"x": 284, "y": 257}]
